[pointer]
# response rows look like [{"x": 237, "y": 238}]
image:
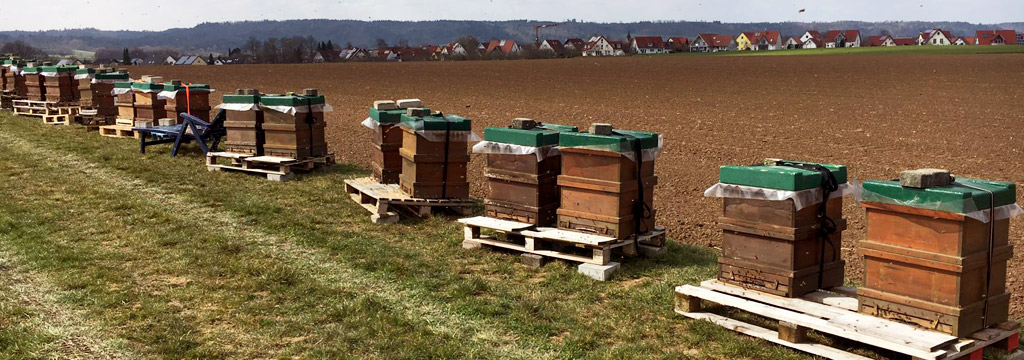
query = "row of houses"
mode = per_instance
[{"x": 811, "y": 39}]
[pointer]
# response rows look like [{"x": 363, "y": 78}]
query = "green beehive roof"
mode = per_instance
[
  {"x": 438, "y": 122},
  {"x": 778, "y": 177},
  {"x": 950, "y": 198},
  {"x": 388, "y": 116},
  {"x": 114, "y": 76},
  {"x": 536, "y": 137},
  {"x": 85, "y": 71},
  {"x": 147, "y": 86},
  {"x": 58, "y": 69},
  {"x": 172, "y": 87},
  {"x": 292, "y": 100},
  {"x": 618, "y": 141},
  {"x": 31, "y": 70},
  {"x": 240, "y": 99},
  {"x": 123, "y": 85}
]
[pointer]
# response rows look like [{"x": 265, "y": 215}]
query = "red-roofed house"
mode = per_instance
[
  {"x": 619, "y": 47},
  {"x": 678, "y": 44},
  {"x": 793, "y": 43},
  {"x": 996, "y": 37},
  {"x": 574, "y": 44},
  {"x": 600, "y": 46},
  {"x": 904, "y": 41},
  {"x": 503, "y": 47},
  {"x": 841, "y": 38},
  {"x": 648, "y": 45},
  {"x": 879, "y": 40},
  {"x": 814, "y": 43},
  {"x": 767, "y": 40},
  {"x": 963, "y": 40},
  {"x": 935, "y": 37},
  {"x": 711, "y": 43},
  {"x": 453, "y": 49},
  {"x": 553, "y": 46},
  {"x": 810, "y": 34}
]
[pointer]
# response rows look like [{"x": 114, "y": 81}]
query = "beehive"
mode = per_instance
[
  {"x": 101, "y": 93},
  {"x": 519, "y": 186},
  {"x": 386, "y": 141},
  {"x": 244, "y": 127},
  {"x": 35, "y": 89},
  {"x": 148, "y": 104},
  {"x": 926, "y": 263},
  {"x": 15, "y": 81},
  {"x": 192, "y": 99},
  {"x": 771, "y": 245},
  {"x": 125, "y": 100},
  {"x": 434, "y": 155},
  {"x": 59, "y": 83},
  {"x": 83, "y": 84},
  {"x": 298, "y": 135},
  {"x": 603, "y": 191}
]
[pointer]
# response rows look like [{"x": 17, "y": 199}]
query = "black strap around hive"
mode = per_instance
[
  {"x": 310, "y": 120},
  {"x": 826, "y": 225},
  {"x": 641, "y": 211},
  {"x": 991, "y": 246},
  {"x": 444, "y": 165}
]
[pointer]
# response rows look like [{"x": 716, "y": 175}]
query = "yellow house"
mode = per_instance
[{"x": 745, "y": 41}]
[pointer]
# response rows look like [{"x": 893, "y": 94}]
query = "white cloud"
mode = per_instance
[{"x": 160, "y": 15}]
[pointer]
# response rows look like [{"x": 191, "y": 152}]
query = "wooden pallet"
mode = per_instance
[
  {"x": 835, "y": 313},
  {"x": 118, "y": 131},
  {"x": 91, "y": 121},
  {"x": 7, "y": 99},
  {"x": 384, "y": 201},
  {"x": 273, "y": 167},
  {"x": 43, "y": 108},
  {"x": 595, "y": 252}
]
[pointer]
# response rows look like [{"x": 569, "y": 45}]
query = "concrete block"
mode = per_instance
[
  {"x": 152, "y": 79},
  {"x": 532, "y": 260},
  {"x": 771, "y": 161},
  {"x": 174, "y": 82},
  {"x": 166, "y": 122},
  {"x": 409, "y": 103},
  {"x": 601, "y": 129},
  {"x": 310, "y": 92},
  {"x": 470, "y": 245},
  {"x": 598, "y": 272},
  {"x": 523, "y": 124},
  {"x": 385, "y": 105},
  {"x": 417, "y": 112},
  {"x": 143, "y": 124},
  {"x": 247, "y": 92},
  {"x": 651, "y": 251},
  {"x": 925, "y": 178}
]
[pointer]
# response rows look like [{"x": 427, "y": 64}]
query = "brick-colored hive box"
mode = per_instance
[
  {"x": 606, "y": 184},
  {"x": 149, "y": 106},
  {"x": 386, "y": 140},
  {"x": 522, "y": 171},
  {"x": 101, "y": 93},
  {"x": 293, "y": 125},
  {"x": 192, "y": 99},
  {"x": 244, "y": 122},
  {"x": 775, "y": 246},
  {"x": 929, "y": 258},
  {"x": 435, "y": 155},
  {"x": 35, "y": 89},
  {"x": 59, "y": 83},
  {"x": 125, "y": 99}
]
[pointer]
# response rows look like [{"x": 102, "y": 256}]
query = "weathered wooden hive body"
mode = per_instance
[
  {"x": 192, "y": 99},
  {"x": 435, "y": 154},
  {"x": 929, "y": 261},
  {"x": 298, "y": 131},
  {"x": 244, "y": 122}
]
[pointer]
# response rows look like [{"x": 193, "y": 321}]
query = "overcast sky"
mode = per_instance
[{"x": 161, "y": 15}]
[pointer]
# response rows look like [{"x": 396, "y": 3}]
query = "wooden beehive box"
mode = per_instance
[
  {"x": 386, "y": 162},
  {"x": 429, "y": 172},
  {"x": 244, "y": 128},
  {"x": 192, "y": 99},
  {"x": 298, "y": 135}
]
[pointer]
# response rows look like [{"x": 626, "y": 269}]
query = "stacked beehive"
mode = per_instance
[
  {"x": 385, "y": 115},
  {"x": 192, "y": 99},
  {"x": 244, "y": 122},
  {"x": 607, "y": 182},
  {"x": 522, "y": 171},
  {"x": 83, "y": 82},
  {"x": 35, "y": 90},
  {"x": 14, "y": 78},
  {"x": 930, "y": 259},
  {"x": 59, "y": 83},
  {"x": 783, "y": 247},
  {"x": 149, "y": 106},
  {"x": 125, "y": 100},
  {"x": 435, "y": 154},
  {"x": 100, "y": 93},
  {"x": 293, "y": 125}
]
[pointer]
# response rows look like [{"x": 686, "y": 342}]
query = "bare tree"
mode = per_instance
[
  {"x": 20, "y": 48},
  {"x": 381, "y": 43}
]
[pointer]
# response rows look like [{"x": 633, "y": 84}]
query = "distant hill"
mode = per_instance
[{"x": 219, "y": 37}]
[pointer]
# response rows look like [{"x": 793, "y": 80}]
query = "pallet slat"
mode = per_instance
[
  {"x": 773, "y": 336},
  {"x": 274, "y": 168},
  {"x": 382, "y": 199}
]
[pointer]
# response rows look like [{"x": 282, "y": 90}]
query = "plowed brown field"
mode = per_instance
[{"x": 876, "y": 114}]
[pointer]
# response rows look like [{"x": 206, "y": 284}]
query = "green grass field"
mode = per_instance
[
  {"x": 934, "y": 50},
  {"x": 107, "y": 253}
]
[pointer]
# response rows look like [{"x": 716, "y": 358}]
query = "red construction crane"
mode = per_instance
[{"x": 536, "y": 32}]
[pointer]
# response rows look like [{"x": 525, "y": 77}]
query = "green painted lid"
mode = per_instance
[
  {"x": 85, "y": 71},
  {"x": 240, "y": 99},
  {"x": 778, "y": 177},
  {"x": 114, "y": 76},
  {"x": 58, "y": 69},
  {"x": 123, "y": 85},
  {"x": 437, "y": 122},
  {"x": 31, "y": 70},
  {"x": 292, "y": 100},
  {"x": 147, "y": 86},
  {"x": 387, "y": 116},
  {"x": 172, "y": 87},
  {"x": 536, "y": 137},
  {"x": 953, "y": 198},
  {"x": 618, "y": 141}
]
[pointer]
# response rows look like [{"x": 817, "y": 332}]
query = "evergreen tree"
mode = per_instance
[
  {"x": 126, "y": 57},
  {"x": 330, "y": 45}
]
